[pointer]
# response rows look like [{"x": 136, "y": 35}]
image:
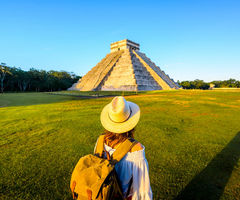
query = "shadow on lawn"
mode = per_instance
[{"x": 211, "y": 181}]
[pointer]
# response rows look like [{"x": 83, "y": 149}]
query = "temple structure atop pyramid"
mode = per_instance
[{"x": 125, "y": 68}]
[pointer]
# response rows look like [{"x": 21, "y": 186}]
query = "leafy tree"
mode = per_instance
[
  {"x": 4, "y": 70},
  {"x": 16, "y": 79},
  {"x": 200, "y": 84}
]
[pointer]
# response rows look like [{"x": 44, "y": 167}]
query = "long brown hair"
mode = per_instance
[{"x": 112, "y": 139}]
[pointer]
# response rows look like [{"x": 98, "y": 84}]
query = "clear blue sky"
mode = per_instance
[{"x": 197, "y": 39}]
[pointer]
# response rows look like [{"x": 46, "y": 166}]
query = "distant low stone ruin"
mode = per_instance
[{"x": 125, "y": 68}]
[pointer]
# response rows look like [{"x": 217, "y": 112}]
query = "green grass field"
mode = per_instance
[{"x": 192, "y": 141}]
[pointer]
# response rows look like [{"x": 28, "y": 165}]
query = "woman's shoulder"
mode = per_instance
[
  {"x": 136, "y": 154},
  {"x": 137, "y": 147}
]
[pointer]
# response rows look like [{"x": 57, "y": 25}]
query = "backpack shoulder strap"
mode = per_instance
[
  {"x": 123, "y": 149},
  {"x": 99, "y": 146}
]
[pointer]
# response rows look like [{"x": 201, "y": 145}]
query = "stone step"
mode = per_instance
[
  {"x": 142, "y": 76},
  {"x": 165, "y": 77},
  {"x": 94, "y": 77},
  {"x": 122, "y": 74}
]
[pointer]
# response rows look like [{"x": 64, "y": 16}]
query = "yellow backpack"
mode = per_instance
[{"x": 94, "y": 177}]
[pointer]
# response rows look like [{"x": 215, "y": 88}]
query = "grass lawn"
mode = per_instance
[
  {"x": 192, "y": 141},
  {"x": 96, "y": 93},
  {"x": 25, "y": 99}
]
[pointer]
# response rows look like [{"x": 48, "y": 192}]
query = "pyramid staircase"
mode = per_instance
[
  {"x": 96, "y": 76},
  {"x": 157, "y": 69}
]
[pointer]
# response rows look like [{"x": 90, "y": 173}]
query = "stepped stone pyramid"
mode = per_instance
[{"x": 125, "y": 68}]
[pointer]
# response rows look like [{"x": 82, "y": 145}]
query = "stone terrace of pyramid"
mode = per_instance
[{"x": 125, "y": 68}]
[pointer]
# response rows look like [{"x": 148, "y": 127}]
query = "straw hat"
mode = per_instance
[{"x": 120, "y": 115}]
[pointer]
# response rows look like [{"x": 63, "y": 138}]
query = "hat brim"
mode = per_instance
[{"x": 120, "y": 127}]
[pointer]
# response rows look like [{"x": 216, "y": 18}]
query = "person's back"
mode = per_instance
[{"x": 119, "y": 118}]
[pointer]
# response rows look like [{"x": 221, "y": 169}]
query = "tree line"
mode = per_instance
[
  {"x": 15, "y": 79},
  {"x": 200, "y": 84}
]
